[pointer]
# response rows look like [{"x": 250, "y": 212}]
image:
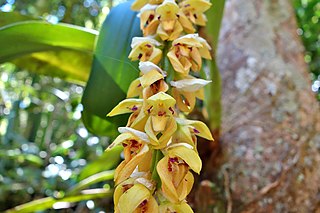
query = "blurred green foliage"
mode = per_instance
[
  {"x": 88, "y": 13},
  {"x": 44, "y": 145},
  {"x": 308, "y": 17}
]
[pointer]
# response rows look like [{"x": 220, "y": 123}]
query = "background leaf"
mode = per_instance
[
  {"x": 59, "y": 50},
  {"x": 96, "y": 178},
  {"x": 49, "y": 202},
  {"x": 12, "y": 17},
  {"x": 112, "y": 71},
  {"x": 108, "y": 160}
]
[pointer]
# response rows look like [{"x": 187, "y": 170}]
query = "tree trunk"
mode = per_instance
[{"x": 270, "y": 133}]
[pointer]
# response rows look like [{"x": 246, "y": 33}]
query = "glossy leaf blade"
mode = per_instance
[
  {"x": 112, "y": 71},
  {"x": 49, "y": 202},
  {"x": 59, "y": 50}
]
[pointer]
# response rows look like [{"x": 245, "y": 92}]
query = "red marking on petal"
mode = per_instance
[
  {"x": 171, "y": 110},
  {"x": 196, "y": 131},
  {"x": 134, "y": 108},
  {"x": 149, "y": 110},
  {"x": 161, "y": 113}
]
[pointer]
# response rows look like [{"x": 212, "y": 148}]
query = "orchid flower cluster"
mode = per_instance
[{"x": 160, "y": 144}]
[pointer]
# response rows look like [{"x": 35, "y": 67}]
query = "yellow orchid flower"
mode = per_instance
[
  {"x": 161, "y": 124},
  {"x": 182, "y": 207},
  {"x": 135, "y": 89},
  {"x": 174, "y": 173},
  {"x": 126, "y": 106},
  {"x": 169, "y": 28},
  {"x": 156, "y": 87},
  {"x": 194, "y": 10},
  {"x": 185, "y": 22},
  {"x": 183, "y": 134},
  {"x": 135, "y": 152},
  {"x": 149, "y": 21},
  {"x": 144, "y": 49},
  {"x": 152, "y": 78},
  {"x": 137, "y": 119},
  {"x": 187, "y": 52},
  {"x": 135, "y": 196},
  {"x": 139, "y": 4},
  {"x": 197, "y": 128},
  {"x": 186, "y": 91},
  {"x": 151, "y": 73}
]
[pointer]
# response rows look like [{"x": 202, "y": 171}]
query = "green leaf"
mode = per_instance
[
  {"x": 108, "y": 160},
  {"x": 21, "y": 157},
  {"x": 96, "y": 178},
  {"x": 11, "y": 17},
  {"x": 59, "y": 50},
  {"x": 213, "y": 90},
  {"x": 214, "y": 16},
  {"x": 70, "y": 65},
  {"x": 112, "y": 71},
  {"x": 49, "y": 202}
]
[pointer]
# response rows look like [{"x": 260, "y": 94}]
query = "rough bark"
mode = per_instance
[{"x": 270, "y": 158}]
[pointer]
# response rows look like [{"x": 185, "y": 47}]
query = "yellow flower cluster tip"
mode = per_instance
[{"x": 160, "y": 144}]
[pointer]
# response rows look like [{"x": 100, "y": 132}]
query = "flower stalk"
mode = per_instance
[{"x": 160, "y": 144}]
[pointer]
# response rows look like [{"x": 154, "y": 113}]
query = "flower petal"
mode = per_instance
[
  {"x": 190, "y": 85},
  {"x": 185, "y": 186},
  {"x": 189, "y": 39},
  {"x": 136, "y": 41},
  {"x": 186, "y": 24},
  {"x": 152, "y": 205},
  {"x": 199, "y": 128},
  {"x": 162, "y": 98},
  {"x": 148, "y": 66},
  {"x": 167, "y": 134},
  {"x": 185, "y": 100},
  {"x": 132, "y": 198},
  {"x": 149, "y": 130},
  {"x": 121, "y": 138},
  {"x": 167, "y": 186},
  {"x": 168, "y": 10},
  {"x": 126, "y": 170},
  {"x": 156, "y": 56},
  {"x": 177, "y": 29},
  {"x": 197, "y": 6},
  {"x": 141, "y": 135},
  {"x": 126, "y": 106},
  {"x": 159, "y": 123},
  {"x": 138, "y": 4},
  {"x": 137, "y": 120},
  {"x": 119, "y": 190},
  {"x": 182, "y": 135},
  {"x": 177, "y": 65},
  {"x": 182, "y": 207},
  {"x": 146, "y": 8},
  {"x": 190, "y": 156},
  {"x": 134, "y": 89},
  {"x": 150, "y": 77}
]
